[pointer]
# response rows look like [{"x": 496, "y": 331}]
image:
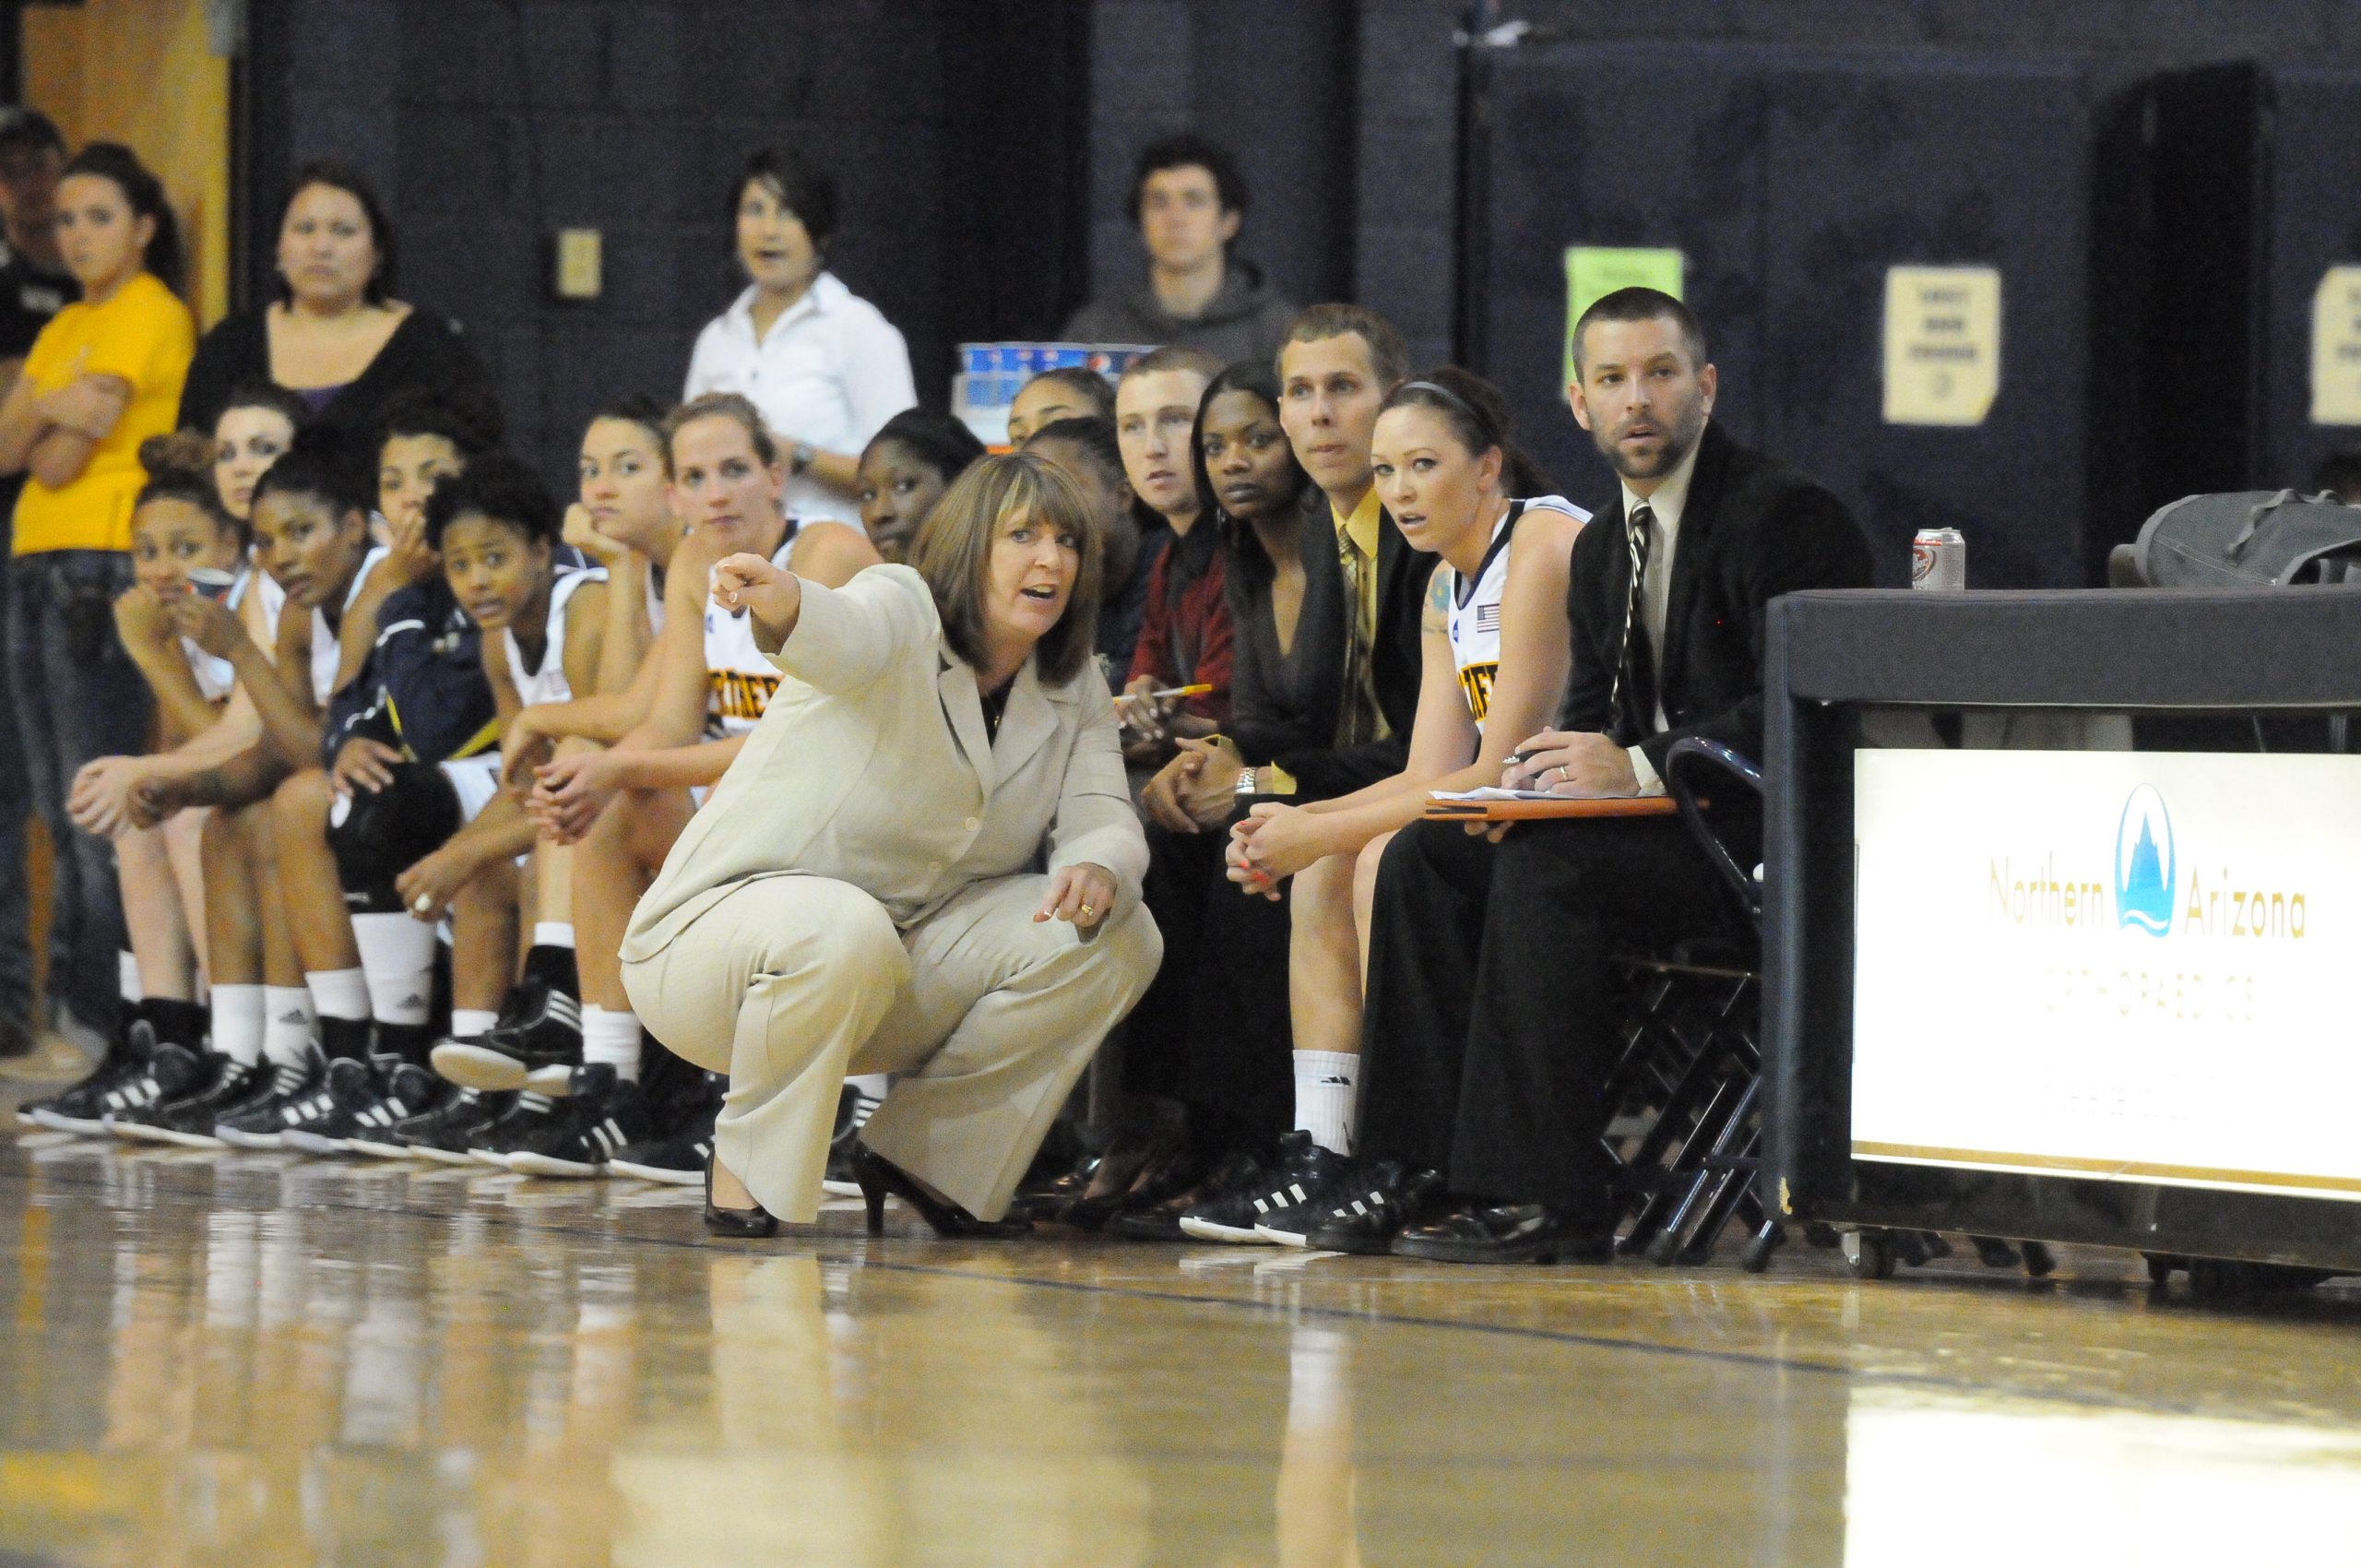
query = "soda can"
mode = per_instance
[
  {"x": 212, "y": 582},
  {"x": 1939, "y": 559}
]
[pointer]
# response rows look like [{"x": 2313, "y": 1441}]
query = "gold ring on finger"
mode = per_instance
[{"x": 1088, "y": 911}]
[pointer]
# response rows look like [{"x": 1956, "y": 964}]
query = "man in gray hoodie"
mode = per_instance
[{"x": 1189, "y": 202}]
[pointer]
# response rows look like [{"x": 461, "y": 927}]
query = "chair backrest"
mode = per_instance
[{"x": 1689, "y": 763}]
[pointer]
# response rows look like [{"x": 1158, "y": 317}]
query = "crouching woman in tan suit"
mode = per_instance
[{"x": 925, "y": 861}]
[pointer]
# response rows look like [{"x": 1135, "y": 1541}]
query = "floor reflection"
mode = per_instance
[{"x": 262, "y": 1361}]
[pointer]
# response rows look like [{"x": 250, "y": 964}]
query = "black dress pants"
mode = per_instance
[
  {"x": 1212, "y": 1030},
  {"x": 1490, "y": 1027}
]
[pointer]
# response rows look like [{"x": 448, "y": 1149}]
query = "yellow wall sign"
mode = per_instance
[
  {"x": 1942, "y": 344},
  {"x": 2336, "y": 348},
  {"x": 1593, "y": 272}
]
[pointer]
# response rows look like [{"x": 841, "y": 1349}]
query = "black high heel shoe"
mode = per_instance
[
  {"x": 880, "y": 1177},
  {"x": 755, "y": 1222}
]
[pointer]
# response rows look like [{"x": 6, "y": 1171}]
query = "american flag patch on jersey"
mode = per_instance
[{"x": 1488, "y": 617}]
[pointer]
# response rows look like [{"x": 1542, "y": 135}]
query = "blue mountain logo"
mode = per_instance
[{"x": 2144, "y": 869}]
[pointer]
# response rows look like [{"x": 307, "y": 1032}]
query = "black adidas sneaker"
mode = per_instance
[
  {"x": 260, "y": 1121},
  {"x": 527, "y": 1114},
  {"x": 324, "y": 1122},
  {"x": 536, "y": 1045},
  {"x": 82, "y": 1108},
  {"x": 173, "y": 1073},
  {"x": 190, "y": 1119},
  {"x": 408, "y": 1091},
  {"x": 443, "y": 1134},
  {"x": 1303, "y": 1167},
  {"x": 1372, "y": 1210},
  {"x": 677, "y": 1155},
  {"x": 600, "y": 1114}
]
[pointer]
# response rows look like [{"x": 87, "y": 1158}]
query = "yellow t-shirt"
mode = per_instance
[{"x": 146, "y": 336}]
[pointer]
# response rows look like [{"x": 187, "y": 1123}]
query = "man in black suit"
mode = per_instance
[{"x": 1489, "y": 1033}]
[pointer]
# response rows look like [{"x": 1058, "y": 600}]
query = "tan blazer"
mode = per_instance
[{"x": 871, "y": 767}]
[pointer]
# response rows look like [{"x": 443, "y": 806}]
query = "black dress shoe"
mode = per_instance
[
  {"x": 1111, "y": 1180},
  {"x": 1173, "y": 1165},
  {"x": 1506, "y": 1233},
  {"x": 1368, "y": 1215},
  {"x": 754, "y": 1223},
  {"x": 880, "y": 1178},
  {"x": 1161, "y": 1221},
  {"x": 1045, "y": 1200}
]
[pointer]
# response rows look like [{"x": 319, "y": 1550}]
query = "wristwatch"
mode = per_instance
[{"x": 800, "y": 456}]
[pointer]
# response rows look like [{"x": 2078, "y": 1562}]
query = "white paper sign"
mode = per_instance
[
  {"x": 1942, "y": 344},
  {"x": 2116, "y": 966},
  {"x": 2336, "y": 348}
]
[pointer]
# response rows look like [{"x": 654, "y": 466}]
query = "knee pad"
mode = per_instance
[{"x": 377, "y": 838}]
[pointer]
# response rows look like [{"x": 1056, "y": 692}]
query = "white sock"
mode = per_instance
[
  {"x": 470, "y": 1023},
  {"x": 873, "y": 1086},
  {"x": 126, "y": 977},
  {"x": 237, "y": 1022},
  {"x": 338, "y": 994},
  {"x": 398, "y": 954},
  {"x": 1327, "y": 1086},
  {"x": 553, "y": 933},
  {"x": 288, "y": 1017},
  {"x": 611, "y": 1038}
]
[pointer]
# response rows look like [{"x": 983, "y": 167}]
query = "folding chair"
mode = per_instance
[{"x": 1687, "y": 1090}]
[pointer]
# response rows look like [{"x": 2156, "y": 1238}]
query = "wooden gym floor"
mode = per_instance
[{"x": 255, "y": 1360}]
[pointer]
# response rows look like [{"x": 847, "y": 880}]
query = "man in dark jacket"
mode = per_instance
[
  {"x": 1491, "y": 1033},
  {"x": 1189, "y": 201}
]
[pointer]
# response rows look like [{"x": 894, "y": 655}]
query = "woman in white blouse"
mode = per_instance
[{"x": 824, "y": 367}]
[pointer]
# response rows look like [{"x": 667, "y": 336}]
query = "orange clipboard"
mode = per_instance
[{"x": 1554, "y": 810}]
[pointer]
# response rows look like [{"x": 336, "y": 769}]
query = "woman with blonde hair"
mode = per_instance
[{"x": 859, "y": 895}]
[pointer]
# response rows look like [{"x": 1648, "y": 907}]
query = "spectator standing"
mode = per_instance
[
  {"x": 103, "y": 376},
  {"x": 824, "y": 366},
  {"x": 1189, "y": 202},
  {"x": 33, "y": 288},
  {"x": 335, "y": 337}
]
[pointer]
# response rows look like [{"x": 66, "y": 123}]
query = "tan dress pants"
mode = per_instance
[{"x": 789, "y": 983}]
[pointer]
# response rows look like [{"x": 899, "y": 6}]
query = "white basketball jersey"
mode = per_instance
[
  {"x": 548, "y": 683},
  {"x": 741, "y": 679},
  {"x": 325, "y": 652},
  {"x": 1474, "y": 620}
]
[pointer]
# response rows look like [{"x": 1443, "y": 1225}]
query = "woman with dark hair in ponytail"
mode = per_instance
[
  {"x": 1497, "y": 650},
  {"x": 104, "y": 375}
]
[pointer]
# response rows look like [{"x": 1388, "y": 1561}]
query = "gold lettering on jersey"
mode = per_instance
[
  {"x": 740, "y": 694},
  {"x": 1476, "y": 681}
]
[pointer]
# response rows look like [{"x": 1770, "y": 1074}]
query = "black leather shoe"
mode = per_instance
[
  {"x": 1046, "y": 1199},
  {"x": 1505, "y": 1233},
  {"x": 1172, "y": 1164},
  {"x": 1375, "y": 1208},
  {"x": 880, "y": 1178},
  {"x": 752, "y": 1223},
  {"x": 1161, "y": 1221}
]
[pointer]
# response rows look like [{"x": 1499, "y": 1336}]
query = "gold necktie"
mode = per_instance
[{"x": 1359, "y": 718}]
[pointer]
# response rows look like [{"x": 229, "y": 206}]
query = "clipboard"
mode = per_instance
[{"x": 1554, "y": 809}]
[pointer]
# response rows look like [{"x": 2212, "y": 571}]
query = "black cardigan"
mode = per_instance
[
  {"x": 425, "y": 351},
  {"x": 1293, "y": 723}
]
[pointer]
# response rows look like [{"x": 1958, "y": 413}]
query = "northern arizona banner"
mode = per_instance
[{"x": 2110, "y": 965}]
